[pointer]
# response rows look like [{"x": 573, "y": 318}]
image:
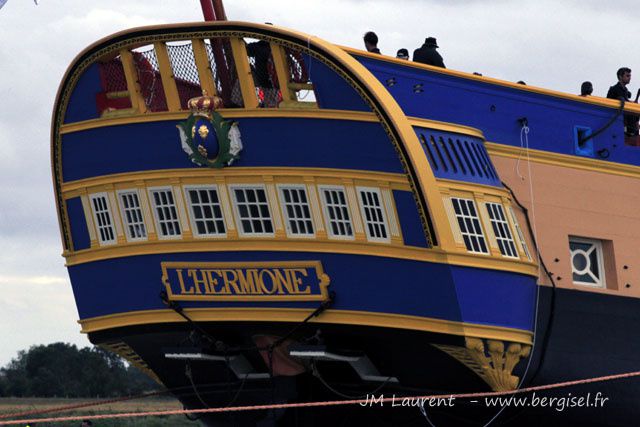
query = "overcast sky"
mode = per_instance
[{"x": 552, "y": 44}]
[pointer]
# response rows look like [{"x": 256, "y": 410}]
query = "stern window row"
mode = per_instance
[{"x": 252, "y": 212}]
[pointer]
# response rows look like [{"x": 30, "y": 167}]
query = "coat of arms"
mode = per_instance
[{"x": 206, "y": 137}]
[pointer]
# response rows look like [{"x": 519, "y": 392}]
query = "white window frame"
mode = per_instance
[
  {"x": 236, "y": 212},
  {"x": 520, "y": 234},
  {"x": 192, "y": 215},
  {"x": 384, "y": 223},
  {"x": 327, "y": 216},
  {"x": 156, "y": 218},
  {"x": 502, "y": 224},
  {"x": 123, "y": 215},
  {"x": 111, "y": 226},
  {"x": 597, "y": 246},
  {"x": 285, "y": 214},
  {"x": 480, "y": 236}
]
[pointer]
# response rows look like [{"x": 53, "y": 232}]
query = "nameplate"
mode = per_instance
[{"x": 245, "y": 281}]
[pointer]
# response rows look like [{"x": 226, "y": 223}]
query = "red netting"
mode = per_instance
[
  {"x": 112, "y": 81},
  {"x": 112, "y": 76},
  {"x": 185, "y": 71},
  {"x": 146, "y": 64}
]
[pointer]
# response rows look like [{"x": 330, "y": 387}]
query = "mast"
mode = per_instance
[
  {"x": 213, "y": 10},
  {"x": 208, "y": 10},
  {"x": 218, "y": 8}
]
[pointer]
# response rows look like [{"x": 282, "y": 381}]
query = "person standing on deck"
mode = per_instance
[
  {"x": 371, "y": 42},
  {"x": 586, "y": 89},
  {"x": 427, "y": 54},
  {"x": 403, "y": 54},
  {"x": 619, "y": 91}
]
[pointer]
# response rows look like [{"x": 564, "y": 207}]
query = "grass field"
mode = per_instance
[{"x": 15, "y": 405}]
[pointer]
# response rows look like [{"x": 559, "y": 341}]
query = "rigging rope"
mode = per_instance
[{"x": 323, "y": 404}]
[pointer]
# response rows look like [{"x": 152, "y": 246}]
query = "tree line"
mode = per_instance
[{"x": 64, "y": 370}]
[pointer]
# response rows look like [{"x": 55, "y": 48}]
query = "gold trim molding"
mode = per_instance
[
  {"x": 563, "y": 160},
  {"x": 346, "y": 317}
]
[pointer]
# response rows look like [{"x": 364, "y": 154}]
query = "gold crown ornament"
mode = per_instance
[{"x": 204, "y": 105}]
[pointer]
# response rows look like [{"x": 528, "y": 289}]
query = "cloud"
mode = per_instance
[
  {"x": 100, "y": 21},
  {"x": 36, "y": 310}
]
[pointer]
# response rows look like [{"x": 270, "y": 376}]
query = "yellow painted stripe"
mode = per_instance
[
  {"x": 288, "y": 245},
  {"x": 398, "y": 181},
  {"x": 564, "y": 160},
  {"x": 237, "y": 113},
  {"x": 228, "y": 113},
  {"x": 446, "y": 127},
  {"x": 449, "y": 184},
  {"x": 344, "y": 317},
  {"x": 594, "y": 100}
]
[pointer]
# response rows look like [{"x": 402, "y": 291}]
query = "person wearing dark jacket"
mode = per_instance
[
  {"x": 619, "y": 91},
  {"x": 371, "y": 42},
  {"x": 427, "y": 54}
]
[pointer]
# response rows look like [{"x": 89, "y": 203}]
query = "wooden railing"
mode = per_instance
[{"x": 162, "y": 77}]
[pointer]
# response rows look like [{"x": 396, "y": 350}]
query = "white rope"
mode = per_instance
[
  {"x": 524, "y": 132},
  {"x": 524, "y": 145}
]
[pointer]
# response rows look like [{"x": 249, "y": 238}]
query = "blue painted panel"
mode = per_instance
[
  {"x": 496, "y": 110},
  {"x": 362, "y": 283},
  {"x": 267, "y": 142},
  {"x": 331, "y": 90},
  {"x": 491, "y": 297},
  {"x": 79, "y": 230},
  {"x": 412, "y": 231},
  {"x": 458, "y": 157},
  {"x": 82, "y": 103}
]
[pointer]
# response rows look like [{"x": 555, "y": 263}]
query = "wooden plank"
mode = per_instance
[
  {"x": 133, "y": 86},
  {"x": 245, "y": 78},
  {"x": 282, "y": 70},
  {"x": 204, "y": 67},
  {"x": 168, "y": 80}
]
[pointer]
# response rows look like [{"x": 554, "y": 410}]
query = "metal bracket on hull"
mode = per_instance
[
  {"x": 359, "y": 362},
  {"x": 238, "y": 364}
]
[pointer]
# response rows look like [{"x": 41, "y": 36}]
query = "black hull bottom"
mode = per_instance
[{"x": 591, "y": 335}]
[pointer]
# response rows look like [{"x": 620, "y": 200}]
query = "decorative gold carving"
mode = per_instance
[
  {"x": 203, "y": 131},
  {"x": 493, "y": 364},
  {"x": 126, "y": 352}
]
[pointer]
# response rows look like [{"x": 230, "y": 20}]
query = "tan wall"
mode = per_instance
[{"x": 572, "y": 202}]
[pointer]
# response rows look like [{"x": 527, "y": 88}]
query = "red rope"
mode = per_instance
[
  {"x": 319, "y": 404},
  {"x": 81, "y": 405}
]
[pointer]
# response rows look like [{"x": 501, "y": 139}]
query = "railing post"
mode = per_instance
[
  {"x": 204, "y": 67},
  {"x": 133, "y": 86},
  {"x": 282, "y": 70},
  {"x": 168, "y": 80},
  {"x": 245, "y": 77}
]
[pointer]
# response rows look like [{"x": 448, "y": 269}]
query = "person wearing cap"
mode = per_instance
[
  {"x": 402, "y": 54},
  {"x": 371, "y": 42},
  {"x": 427, "y": 54}
]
